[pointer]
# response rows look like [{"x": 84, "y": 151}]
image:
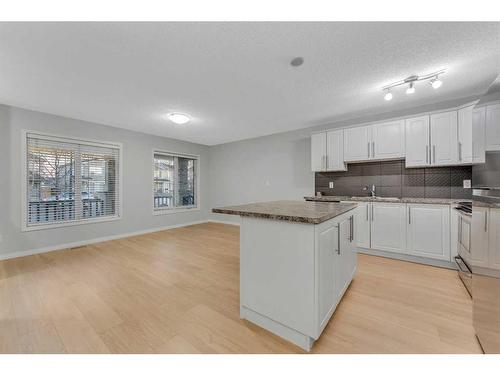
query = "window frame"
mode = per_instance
[
  {"x": 25, "y": 227},
  {"x": 197, "y": 168}
]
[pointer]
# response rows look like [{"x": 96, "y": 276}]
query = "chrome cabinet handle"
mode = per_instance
[
  {"x": 367, "y": 218},
  {"x": 460, "y": 230},
  {"x": 351, "y": 219},
  {"x": 409, "y": 214},
  {"x": 338, "y": 239},
  {"x": 326, "y": 162},
  {"x": 368, "y": 149},
  {"x": 373, "y": 149},
  {"x": 434, "y": 153},
  {"x": 372, "y": 212},
  {"x": 485, "y": 221},
  {"x": 427, "y": 154},
  {"x": 460, "y": 151}
]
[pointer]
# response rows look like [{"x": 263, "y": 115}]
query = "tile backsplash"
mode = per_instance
[{"x": 392, "y": 179}]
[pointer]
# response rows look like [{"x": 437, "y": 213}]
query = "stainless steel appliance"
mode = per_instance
[
  {"x": 464, "y": 243},
  {"x": 484, "y": 255}
]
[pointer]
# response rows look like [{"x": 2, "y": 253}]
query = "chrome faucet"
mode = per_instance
[{"x": 372, "y": 191}]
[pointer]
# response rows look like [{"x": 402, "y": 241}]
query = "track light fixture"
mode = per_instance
[{"x": 410, "y": 81}]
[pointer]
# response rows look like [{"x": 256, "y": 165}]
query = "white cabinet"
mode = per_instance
[
  {"x": 388, "y": 140},
  {"x": 493, "y": 127},
  {"x": 494, "y": 238},
  {"x": 444, "y": 145},
  {"x": 335, "y": 150},
  {"x": 417, "y": 141},
  {"x": 358, "y": 143},
  {"x": 478, "y": 135},
  {"x": 375, "y": 142},
  {"x": 328, "y": 245},
  {"x": 362, "y": 225},
  {"x": 465, "y": 135},
  {"x": 327, "y": 151},
  {"x": 336, "y": 266},
  {"x": 388, "y": 229},
  {"x": 428, "y": 231},
  {"x": 478, "y": 251},
  {"x": 318, "y": 152}
]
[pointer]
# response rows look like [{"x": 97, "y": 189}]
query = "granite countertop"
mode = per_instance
[
  {"x": 295, "y": 211},
  {"x": 334, "y": 198}
]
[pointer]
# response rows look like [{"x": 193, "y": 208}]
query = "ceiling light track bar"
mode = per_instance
[{"x": 414, "y": 78}]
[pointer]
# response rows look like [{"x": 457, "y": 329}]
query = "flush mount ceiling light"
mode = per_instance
[
  {"x": 410, "y": 81},
  {"x": 179, "y": 118}
]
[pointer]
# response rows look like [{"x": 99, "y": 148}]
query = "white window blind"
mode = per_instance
[
  {"x": 70, "y": 180},
  {"x": 174, "y": 181}
]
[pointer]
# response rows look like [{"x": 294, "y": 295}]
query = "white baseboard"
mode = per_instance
[
  {"x": 69, "y": 245},
  {"x": 408, "y": 258},
  {"x": 224, "y": 222}
]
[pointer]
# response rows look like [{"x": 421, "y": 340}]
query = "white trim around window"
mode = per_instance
[
  {"x": 179, "y": 209},
  {"x": 25, "y": 226}
]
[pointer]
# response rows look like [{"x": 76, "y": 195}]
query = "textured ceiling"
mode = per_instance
[{"x": 235, "y": 79}]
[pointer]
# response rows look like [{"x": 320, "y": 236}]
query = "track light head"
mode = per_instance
[
  {"x": 410, "y": 89},
  {"x": 388, "y": 95},
  {"x": 436, "y": 83}
]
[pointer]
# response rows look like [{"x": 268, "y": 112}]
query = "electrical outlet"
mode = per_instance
[
  {"x": 467, "y": 184},
  {"x": 330, "y": 184}
]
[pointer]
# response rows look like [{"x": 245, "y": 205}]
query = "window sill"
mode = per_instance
[
  {"x": 169, "y": 211},
  {"x": 34, "y": 227}
]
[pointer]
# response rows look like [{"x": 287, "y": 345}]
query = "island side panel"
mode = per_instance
[{"x": 277, "y": 272}]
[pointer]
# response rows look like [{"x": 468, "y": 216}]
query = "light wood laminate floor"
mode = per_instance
[{"x": 176, "y": 291}]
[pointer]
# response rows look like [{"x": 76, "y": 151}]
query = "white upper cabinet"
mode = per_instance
[
  {"x": 335, "y": 150},
  {"x": 478, "y": 135},
  {"x": 358, "y": 143},
  {"x": 375, "y": 142},
  {"x": 417, "y": 141},
  {"x": 388, "y": 140},
  {"x": 318, "y": 152},
  {"x": 493, "y": 127},
  {"x": 465, "y": 135},
  {"x": 444, "y": 139},
  {"x": 429, "y": 231}
]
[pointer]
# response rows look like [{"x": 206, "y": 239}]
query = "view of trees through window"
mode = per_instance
[
  {"x": 59, "y": 172},
  {"x": 174, "y": 181}
]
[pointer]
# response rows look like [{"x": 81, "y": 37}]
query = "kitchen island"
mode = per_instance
[{"x": 297, "y": 259}]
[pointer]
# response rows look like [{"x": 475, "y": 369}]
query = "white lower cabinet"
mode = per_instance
[
  {"x": 421, "y": 230},
  {"x": 388, "y": 230},
  {"x": 337, "y": 264},
  {"x": 429, "y": 231},
  {"x": 478, "y": 252},
  {"x": 494, "y": 238}
]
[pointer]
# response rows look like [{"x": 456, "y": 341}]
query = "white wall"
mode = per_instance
[{"x": 137, "y": 184}]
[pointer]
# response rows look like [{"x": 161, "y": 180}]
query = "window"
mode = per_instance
[
  {"x": 175, "y": 182},
  {"x": 70, "y": 181}
]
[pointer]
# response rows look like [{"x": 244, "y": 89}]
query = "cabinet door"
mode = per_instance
[
  {"x": 478, "y": 135},
  {"x": 362, "y": 225},
  {"x": 417, "y": 141},
  {"x": 358, "y": 143},
  {"x": 345, "y": 262},
  {"x": 429, "y": 231},
  {"x": 444, "y": 140},
  {"x": 327, "y": 293},
  {"x": 389, "y": 140},
  {"x": 335, "y": 150},
  {"x": 388, "y": 228},
  {"x": 318, "y": 152},
  {"x": 478, "y": 254},
  {"x": 465, "y": 135},
  {"x": 493, "y": 127},
  {"x": 494, "y": 238}
]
